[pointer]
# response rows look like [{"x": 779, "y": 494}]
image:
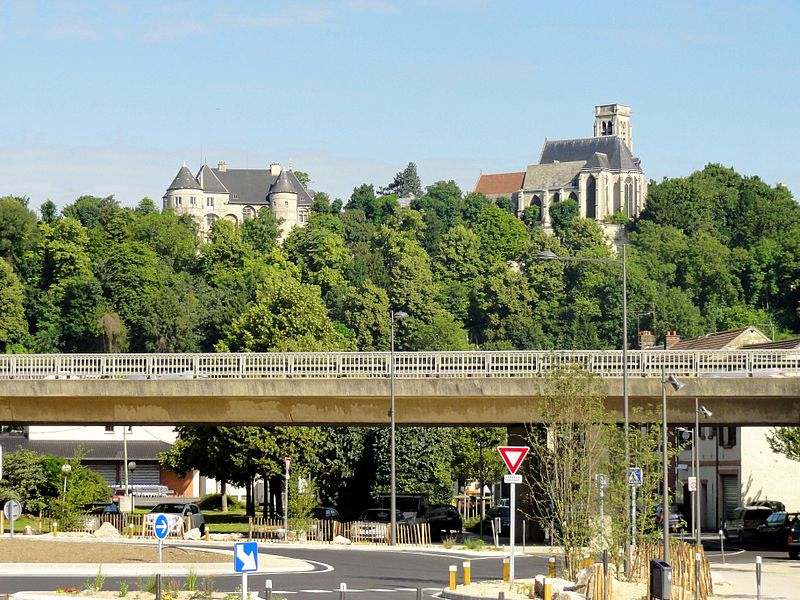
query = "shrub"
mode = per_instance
[
  {"x": 474, "y": 543},
  {"x": 214, "y": 502}
]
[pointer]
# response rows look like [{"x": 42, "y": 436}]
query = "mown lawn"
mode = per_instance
[{"x": 233, "y": 521}]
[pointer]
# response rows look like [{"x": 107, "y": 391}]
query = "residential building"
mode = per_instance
[
  {"x": 238, "y": 195},
  {"x": 600, "y": 173}
]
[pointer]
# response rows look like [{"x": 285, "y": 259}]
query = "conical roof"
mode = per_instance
[
  {"x": 184, "y": 181},
  {"x": 282, "y": 185},
  {"x": 211, "y": 182}
]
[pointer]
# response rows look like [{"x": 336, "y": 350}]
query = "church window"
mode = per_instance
[
  {"x": 629, "y": 196},
  {"x": 210, "y": 202},
  {"x": 604, "y": 128},
  {"x": 247, "y": 212},
  {"x": 617, "y": 199},
  {"x": 610, "y": 128},
  {"x": 591, "y": 198}
]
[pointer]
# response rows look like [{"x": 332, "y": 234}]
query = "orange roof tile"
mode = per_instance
[{"x": 500, "y": 183}]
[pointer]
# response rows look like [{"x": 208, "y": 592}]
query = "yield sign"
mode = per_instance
[{"x": 513, "y": 456}]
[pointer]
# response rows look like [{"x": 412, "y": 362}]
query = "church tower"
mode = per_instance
[{"x": 614, "y": 119}]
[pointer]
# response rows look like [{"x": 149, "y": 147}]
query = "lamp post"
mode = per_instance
[
  {"x": 550, "y": 255},
  {"x": 66, "y": 469},
  {"x": 395, "y": 316},
  {"x": 129, "y": 466},
  {"x": 698, "y": 410},
  {"x": 676, "y": 385}
]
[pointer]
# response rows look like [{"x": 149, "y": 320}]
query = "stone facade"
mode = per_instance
[
  {"x": 238, "y": 194},
  {"x": 600, "y": 173}
]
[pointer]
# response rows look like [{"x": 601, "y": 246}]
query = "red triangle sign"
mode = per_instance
[{"x": 513, "y": 456}]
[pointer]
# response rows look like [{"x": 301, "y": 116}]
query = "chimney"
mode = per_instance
[
  {"x": 274, "y": 169},
  {"x": 647, "y": 339},
  {"x": 222, "y": 166},
  {"x": 671, "y": 339}
]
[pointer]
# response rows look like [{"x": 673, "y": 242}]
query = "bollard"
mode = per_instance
[
  {"x": 501, "y": 596},
  {"x": 605, "y": 574},
  {"x": 722, "y": 545},
  {"x": 523, "y": 535},
  {"x": 419, "y": 593},
  {"x": 158, "y": 586},
  {"x": 506, "y": 569},
  {"x": 55, "y": 528},
  {"x": 548, "y": 589},
  {"x": 268, "y": 590},
  {"x": 130, "y": 530},
  {"x": 552, "y": 567},
  {"x": 758, "y": 578},
  {"x": 467, "y": 572},
  {"x": 208, "y": 533},
  {"x": 453, "y": 569},
  {"x": 696, "y": 576},
  {"x": 342, "y": 591}
]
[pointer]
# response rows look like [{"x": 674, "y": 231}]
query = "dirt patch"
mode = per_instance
[{"x": 36, "y": 551}]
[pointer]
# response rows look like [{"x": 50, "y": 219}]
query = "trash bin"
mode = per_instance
[{"x": 660, "y": 580}]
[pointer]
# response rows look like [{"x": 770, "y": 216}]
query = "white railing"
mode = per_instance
[{"x": 409, "y": 365}]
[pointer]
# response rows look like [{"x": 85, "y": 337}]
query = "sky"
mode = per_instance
[{"x": 112, "y": 97}]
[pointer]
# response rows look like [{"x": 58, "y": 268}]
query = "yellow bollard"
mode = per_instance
[
  {"x": 453, "y": 569},
  {"x": 55, "y": 528},
  {"x": 208, "y": 530},
  {"x": 467, "y": 572},
  {"x": 552, "y": 567},
  {"x": 506, "y": 569},
  {"x": 548, "y": 590}
]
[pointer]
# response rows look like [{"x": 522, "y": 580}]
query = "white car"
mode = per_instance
[
  {"x": 373, "y": 525},
  {"x": 182, "y": 516}
]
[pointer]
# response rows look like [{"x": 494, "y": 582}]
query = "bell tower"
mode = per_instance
[{"x": 614, "y": 119}]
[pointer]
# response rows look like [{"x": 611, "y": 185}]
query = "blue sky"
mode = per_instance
[{"x": 111, "y": 97}]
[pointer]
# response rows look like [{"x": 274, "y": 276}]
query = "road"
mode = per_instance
[{"x": 377, "y": 573}]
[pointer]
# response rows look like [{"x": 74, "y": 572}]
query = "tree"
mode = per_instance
[
  {"x": 13, "y": 326},
  {"x": 786, "y": 441},
  {"x": 92, "y": 211},
  {"x": 406, "y": 183},
  {"x": 17, "y": 228},
  {"x": 263, "y": 232},
  {"x": 302, "y": 177},
  {"x": 502, "y": 236},
  {"x": 49, "y": 211},
  {"x": 24, "y": 479},
  {"x": 561, "y": 215},
  {"x": 146, "y": 206}
]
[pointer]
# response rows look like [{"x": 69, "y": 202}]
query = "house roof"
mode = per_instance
[
  {"x": 791, "y": 344},
  {"x": 184, "y": 180},
  {"x": 553, "y": 175},
  {"x": 500, "y": 183},
  {"x": 210, "y": 182},
  {"x": 720, "y": 340},
  {"x": 618, "y": 155},
  {"x": 282, "y": 185},
  {"x": 102, "y": 450},
  {"x": 251, "y": 186}
]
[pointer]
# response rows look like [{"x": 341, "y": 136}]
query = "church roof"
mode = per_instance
[
  {"x": 251, "y": 186},
  {"x": 184, "y": 180},
  {"x": 553, "y": 175},
  {"x": 499, "y": 183},
  {"x": 282, "y": 185},
  {"x": 211, "y": 183},
  {"x": 598, "y": 161},
  {"x": 617, "y": 153}
]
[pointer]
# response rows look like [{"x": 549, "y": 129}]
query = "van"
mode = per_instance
[{"x": 743, "y": 522}]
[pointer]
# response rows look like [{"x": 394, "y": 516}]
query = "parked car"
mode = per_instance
[
  {"x": 373, "y": 524},
  {"x": 504, "y": 514},
  {"x": 104, "y": 512},
  {"x": 793, "y": 540},
  {"x": 677, "y": 522},
  {"x": 777, "y": 529},
  {"x": 443, "y": 518},
  {"x": 742, "y": 524},
  {"x": 182, "y": 516},
  {"x": 325, "y": 513}
]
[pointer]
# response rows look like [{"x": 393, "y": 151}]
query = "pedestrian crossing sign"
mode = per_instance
[{"x": 634, "y": 476}]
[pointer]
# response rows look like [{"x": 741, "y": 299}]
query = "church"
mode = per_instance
[
  {"x": 600, "y": 173},
  {"x": 238, "y": 194}
]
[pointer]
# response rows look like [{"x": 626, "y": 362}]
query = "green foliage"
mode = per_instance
[
  {"x": 302, "y": 500},
  {"x": 17, "y": 228},
  {"x": 562, "y": 213},
  {"x": 123, "y": 588},
  {"x": 474, "y": 543},
  {"x": 786, "y": 441},
  {"x": 24, "y": 478},
  {"x": 406, "y": 183},
  {"x": 502, "y": 236},
  {"x": 13, "y": 326},
  {"x": 214, "y": 502}
]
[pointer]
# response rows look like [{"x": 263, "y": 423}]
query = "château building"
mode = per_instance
[
  {"x": 600, "y": 173},
  {"x": 238, "y": 194}
]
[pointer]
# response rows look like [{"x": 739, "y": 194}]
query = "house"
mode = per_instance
[
  {"x": 238, "y": 195},
  {"x": 600, "y": 173},
  {"x": 737, "y": 466}
]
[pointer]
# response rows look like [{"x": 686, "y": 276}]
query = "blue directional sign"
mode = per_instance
[
  {"x": 245, "y": 557},
  {"x": 161, "y": 526},
  {"x": 634, "y": 476}
]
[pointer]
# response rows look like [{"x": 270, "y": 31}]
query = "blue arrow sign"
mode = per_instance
[
  {"x": 161, "y": 526},
  {"x": 245, "y": 557}
]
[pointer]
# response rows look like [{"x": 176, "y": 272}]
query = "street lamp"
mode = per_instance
[
  {"x": 66, "y": 469},
  {"x": 550, "y": 255},
  {"x": 673, "y": 382},
  {"x": 698, "y": 410},
  {"x": 395, "y": 316},
  {"x": 131, "y": 466}
]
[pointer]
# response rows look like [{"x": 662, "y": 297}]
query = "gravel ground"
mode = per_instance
[{"x": 40, "y": 551}]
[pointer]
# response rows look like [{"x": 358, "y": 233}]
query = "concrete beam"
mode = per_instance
[{"x": 430, "y": 401}]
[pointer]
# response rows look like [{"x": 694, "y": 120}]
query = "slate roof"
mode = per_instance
[
  {"x": 282, "y": 185},
  {"x": 720, "y": 340},
  {"x": 102, "y": 450},
  {"x": 210, "y": 182},
  {"x": 184, "y": 180},
  {"x": 582, "y": 149},
  {"x": 792, "y": 344},
  {"x": 598, "y": 161},
  {"x": 500, "y": 183},
  {"x": 251, "y": 186},
  {"x": 553, "y": 175}
]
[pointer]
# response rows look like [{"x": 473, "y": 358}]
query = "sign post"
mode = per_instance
[
  {"x": 288, "y": 462},
  {"x": 245, "y": 560},
  {"x": 161, "y": 529},
  {"x": 12, "y": 511},
  {"x": 513, "y": 457},
  {"x": 634, "y": 481}
]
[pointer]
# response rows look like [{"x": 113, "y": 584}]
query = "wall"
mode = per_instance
[{"x": 765, "y": 474}]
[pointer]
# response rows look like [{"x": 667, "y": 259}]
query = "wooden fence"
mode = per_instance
[
  {"x": 682, "y": 560},
  {"x": 133, "y": 525},
  {"x": 419, "y": 534}
]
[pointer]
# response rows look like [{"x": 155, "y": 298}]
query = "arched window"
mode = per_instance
[
  {"x": 591, "y": 197},
  {"x": 610, "y": 128},
  {"x": 617, "y": 200},
  {"x": 210, "y": 220},
  {"x": 247, "y": 213},
  {"x": 604, "y": 128},
  {"x": 232, "y": 218},
  {"x": 629, "y": 196}
]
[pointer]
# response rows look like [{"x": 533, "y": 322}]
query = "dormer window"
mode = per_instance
[{"x": 236, "y": 196}]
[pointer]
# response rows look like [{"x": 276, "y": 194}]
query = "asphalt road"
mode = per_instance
[{"x": 378, "y": 574}]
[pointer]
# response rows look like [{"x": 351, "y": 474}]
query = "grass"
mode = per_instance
[{"x": 474, "y": 543}]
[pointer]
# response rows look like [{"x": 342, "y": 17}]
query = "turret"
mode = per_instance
[
  {"x": 282, "y": 199},
  {"x": 182, "y": 191}
]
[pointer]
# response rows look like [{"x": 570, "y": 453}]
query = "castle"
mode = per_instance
[
  {"x": 238, "y": 195},
  {"x": 600, "y": 173}
]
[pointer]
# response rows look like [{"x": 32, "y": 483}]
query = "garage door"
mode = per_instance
[
  {"x": 108, "y": 471},
  {"x": 730, "y": 494},
  {"x": 145, "y": 474}
]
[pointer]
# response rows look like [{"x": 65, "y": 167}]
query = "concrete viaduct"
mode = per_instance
[{"x": 432, "y": 388}]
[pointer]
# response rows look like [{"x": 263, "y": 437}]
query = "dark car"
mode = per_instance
[
  {"x": 443, "y": 518},
  {"x": 325, "y": 513},
  {"x": 98, "y": 513},
  {"x": 793, "y": 539},
  {"x": 677, "y": 522},
  {"x": 504, "y": 514},
  {"x": 742, "y": 524},
  {"x": 777, "y": 529}
]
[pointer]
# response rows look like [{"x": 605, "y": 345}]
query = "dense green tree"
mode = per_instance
[
  {"x": 561, "y": 215},
  {"x": 92, "y": 211},
  {"x": 502, "y": 236},
  {"x": 49, "y": 211},
  {"x": 366, "y": 314},
  {"x": 406, "y": 183},
  {"x": 17, "y": 228},
  {"x": 786, "y": 441},
  {"x": 263, "y": 232},
  {"x": 13, "y": 326}
]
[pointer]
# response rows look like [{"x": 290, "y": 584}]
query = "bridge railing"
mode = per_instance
[{"x": 408, "y": 365}]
